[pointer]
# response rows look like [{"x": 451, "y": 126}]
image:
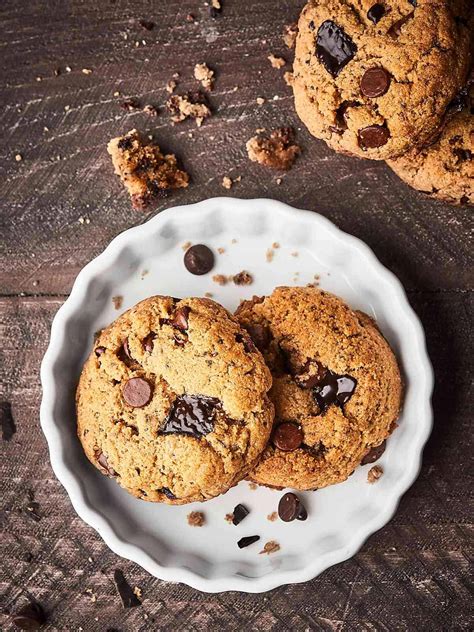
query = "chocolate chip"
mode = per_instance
[
  {"x": 287, "y": 436},
  {"x": 291, "y": 508},
  {"x": 375, "y": 82},
  {"x": 247, "y": 541},
  {"x": 376, "y": 13},
  {"x": 180, "y": 318},
  {"x": 247, "y": 343},
  {"x": 260, "y": 334},
  {"x": 373, "y": 136},
  {"x": 126, "y": 349},
  {"x": 29, "y": 617},
  {"x": 7, "y": 421},
  {"x": 199, "y": 259},
  {"x": 240, "y": 512},
  {"x": 463, "y": 155},
  {"x": 99, "y": 351},
  {"x": 137, "y": 392},
  {"x": 334, "y": 389},
  {"x": 128, "y": 597},
  {"x": 192, "y": 414},
  {"x": 374, "y": 454},
  {"x": 147, "y": 342},
  {"x": 334, "y": 48},
  {"x": 167, "y": 492},
  {"x": 340, "y": 119},
  {"x": 104, "y": 465}
]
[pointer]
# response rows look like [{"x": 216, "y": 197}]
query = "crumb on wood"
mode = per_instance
[
  {"x": 221, "y": 251},
  {"x": 243, "y": 278},
  {"x": 220, "y": 279},
  {"x": 196, "y": 519},
  {"x": 130, "y": 105},
  {"x": 86, "y": 71},
  {"x": 18, "y": 157},
  {"x": 191, "y": 105},
  {"x": 272, "y": 516},
  {"x": 229, "y": 518},
  {"x": 270, "y": 547},
  {"x": 186, "y": 245},
  {"x": 117, "y": 301},
  {"x": 253, "y": 486},
  {"x": 289, "y": 78},
  {"x": 150, "y": 110},
  {"x": 227, "y": 182},
  {"x": 260, "y": 100},
  {"x": 276, "y": 150},
  {"x": 289, "y": 34},
  {"x": 138, "y": 592},
  {"x": 205, "y": 75},
  {"x": 374, "y": 473},
  {"x": 276, "y": 62},
  {"x": 171, "y": 86}
]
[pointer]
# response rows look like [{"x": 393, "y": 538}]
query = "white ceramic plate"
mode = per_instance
[{"x": 157, "y": 536}]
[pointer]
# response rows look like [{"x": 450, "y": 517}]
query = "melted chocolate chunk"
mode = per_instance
[
  {"x": 373, "y": 136},
  {"x": 167, "y": 492},
  {"x": 334, "y": 389},
  {"x": 192, "y": 414},
  {"x": 247, "y": 541},
  {"x": 99, "y": 351},
  {"x": 29, "y": 617},
  {"x": 334, "y": 48},
  {"x": 376, "y": 13},
  {"x": 375, "y": 82},
  {"x": 240, "y": 512},
  {"x": 199, "y": 259},
  {"x": 341, "y": 122},
  {"x": 247, "y": 342},
  {"x": 374, "y": 454},
  {"x": 179, "y": 319},
  {"x": 147, "y": 342},
  {"x": 287, "y": 436},
  {"x": 104, "y": 465},
  {"x": 137, "y": 392}
]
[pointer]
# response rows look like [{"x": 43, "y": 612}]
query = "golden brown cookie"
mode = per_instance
[
  {"x": 172, "y": 402},
  {"x": 374, "y": 79},
  {"x": 336, "y": 386},
  {"x": 445, "y": 169}
]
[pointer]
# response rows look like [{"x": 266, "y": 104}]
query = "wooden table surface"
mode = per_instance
[{"x": 61, "y": 205}]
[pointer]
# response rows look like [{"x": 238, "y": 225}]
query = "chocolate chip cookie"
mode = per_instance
[
  {"x": 445, "y": 169},
  {"x": 374, "y": 79},
  {"x": 336, "y": 386},
  {"x": 173, "y": 401}
]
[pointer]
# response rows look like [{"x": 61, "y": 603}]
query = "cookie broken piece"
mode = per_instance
[
  {"x": 145, "y": 172},
  {"x": 191, "y": 105},
  {"x": 277, "y": 150}
]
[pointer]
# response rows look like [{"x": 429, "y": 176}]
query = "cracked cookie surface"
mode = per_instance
[
  {"x": 374, "y": 79},
  {"x": 336, "y": 386},
  {"x": 445, "y": 169},
  {"x": 173, "y": 401}
]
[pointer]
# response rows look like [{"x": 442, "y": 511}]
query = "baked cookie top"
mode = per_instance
[
  {"x": 172, "y": 402},
  {"x": 336, "y": 386},
  {"x": 374, "y": 79},
  {"x": 445, "y": 169}
]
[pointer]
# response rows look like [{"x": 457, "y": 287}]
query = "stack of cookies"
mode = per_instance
[
  {"x": 179, "y": 400},
  {"x": 388, "y": 80}
]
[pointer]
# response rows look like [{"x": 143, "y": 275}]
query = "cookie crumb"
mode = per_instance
[
  {"x": 233, "y": 241},
  {"x": 144, "y": 273},
  {"x": 117, "y": 301},
  {"x": 220, "y": 279},
  {"x": 289, "y": 35},
  {"x": 374, "y": 474},
  {"x": 150, "y": 110},
  {"x": 229, "y": 518},
  {"x": 270, "y": 547},
  {"x": 289, "y": 78},
  {"x": 205, "y": 75},
  {"x": 273, "y": 516},
  {"x": 275, "y": 245},
  {"x": 269, "y": 255},
  {"x": 276, "y": 62},
  {"x": 144, "y": 170},
  {"x": 221, "y": 251},
  {"x": 138, "y": 592},
  {"x": 243, "y": 278},
  {"x": 227, "y": 182},
  {"x": 87, "y": 71},
  {"x": 186, "y": 245},
  {"x": 295, "y": 253},
  {"x": 191, "y": 105},
  {"x": 196, "y": 519},
  {"x": 253, "y": 486},
  {"x": 208, "y": 294},
  {"x": 278, "y": 150}
]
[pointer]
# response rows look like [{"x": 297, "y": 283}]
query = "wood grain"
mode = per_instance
[{"x": 412, "y": 575}]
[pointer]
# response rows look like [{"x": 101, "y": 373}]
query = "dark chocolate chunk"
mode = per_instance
[
  {"x": 30, "y": 617},
  {"x": 137, "y": 392},
  {"x": 247, "y": 342},
  {"x": 374, "y": 454},
  {"x": 126, "y": 349},
  {"x": 104, "y": 465},
  {"x": 240, "y": 512},
  {"x": 192, "y": 414},
  {"x": 291, "y": 508},
  {"x": 147, "y": 342},
  {"x": 167, "y": 492},
  {"x": 376, "y": 13},
  {"x": 199, "y": 259},
  {"x": 99, "y": 351},
  {"x": 260, "y": 334},
  {"x": 180, "y": 318},
  {"x": 128, "y": 597},
  {"x": 375, "y": 82},
  {"x": 373, "y": 136},
  {"x": 287, "y": 436},
  {"x": 247, "y": 541},
  {"x": 7, "y": 421},
  {"x": 463, "y": 155},
  {"x": 413, "y": 3},
  {"x": 334, "y": 48},
  {"x": 334, "y": 389},
  {"x": 340, "y": 119}
]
